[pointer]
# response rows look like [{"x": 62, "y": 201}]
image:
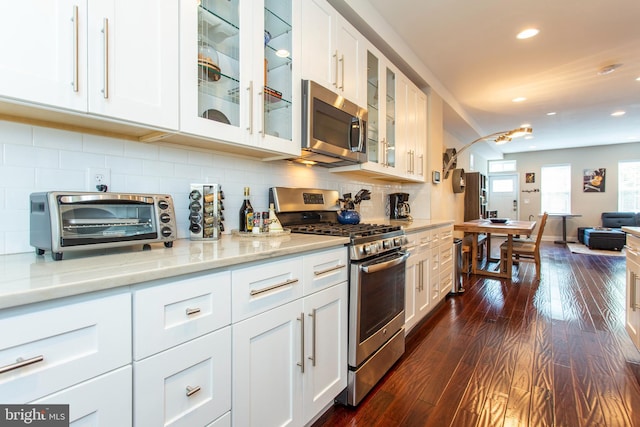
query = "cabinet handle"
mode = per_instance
[
  {"x": 74, "y": 19},
  {"x": 301, "y": 363},
  {"x": 421, "y": 157},
  {"x": 192, "y": 311},
  {"x": 21, "y": 363},
  {"x": 336, "y": 57},
  {"x": 342, "y": 67},
  {"x": 313, "y": 338},
  {"x": 192, "y": 390},
  {"x": 384, "y": 151},
  {"x": 105, "y": 32},
  {"x": 250, "y": 89},
  {"x": 633, "y": 291},
  {"x": 272, "y": 287},
  {"x": 263, "y": 126},
  {"x": 321, "y": 272}
]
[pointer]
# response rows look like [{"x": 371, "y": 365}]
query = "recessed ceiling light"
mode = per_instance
[
  {"x": 608, "y": 69},
  {"x": 528, "y": 137},
  {"x": 638, "y": 79},
  {"x": 618, "y": 113},
  {"x": 551, "y": 113},
  {"x": 519, "y": 99},
  {"x": 528, "y": 33}
]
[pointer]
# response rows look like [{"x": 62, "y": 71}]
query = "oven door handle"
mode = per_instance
[{"x": 386, "y": 264}]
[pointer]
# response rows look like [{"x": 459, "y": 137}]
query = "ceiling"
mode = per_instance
[{"x": 470, "y": 48}]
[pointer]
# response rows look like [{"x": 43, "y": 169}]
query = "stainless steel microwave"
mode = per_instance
[
  {"x": 334, "y": 130},
  {"x": 73, "y": 221}
]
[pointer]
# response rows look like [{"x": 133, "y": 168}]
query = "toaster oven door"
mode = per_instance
[{"x": 113, "y": 221}]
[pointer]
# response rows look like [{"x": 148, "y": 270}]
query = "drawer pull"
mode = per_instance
[
  {"x": 21, "y": 363},
  {"x": 192, "y": 390},
  {"x": 192, "y": 311},
  {"x": 337, "y": 267},
  {"x": 270, "y": 288}
]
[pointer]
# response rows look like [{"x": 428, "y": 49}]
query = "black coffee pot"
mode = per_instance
[{"x": 399, "y": 206}]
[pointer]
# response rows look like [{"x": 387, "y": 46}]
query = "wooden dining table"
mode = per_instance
[{"x": 485, "y": 226}]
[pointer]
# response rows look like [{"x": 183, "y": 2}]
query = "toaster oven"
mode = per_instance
[{"x": 73, "y": 221}]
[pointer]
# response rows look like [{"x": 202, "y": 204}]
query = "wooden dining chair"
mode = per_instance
[{"x": 525, "y": 250}]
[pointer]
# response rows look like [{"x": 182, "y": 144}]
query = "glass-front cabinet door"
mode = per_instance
[
  {"x": 238, "y": 75},
  {"x": 381, "y": 105}
]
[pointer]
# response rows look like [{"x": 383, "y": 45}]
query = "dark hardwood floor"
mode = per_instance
[{"x": 552, "y": 352}]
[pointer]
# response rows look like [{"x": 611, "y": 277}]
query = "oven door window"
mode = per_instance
[
  {"x": 105, "y": 223},
  {"x": 381, "y": 297}
]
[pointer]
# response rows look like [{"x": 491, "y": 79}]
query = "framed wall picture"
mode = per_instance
[
  {"x": 530, "y": 177},
  {"x": 593, "y": 180}
]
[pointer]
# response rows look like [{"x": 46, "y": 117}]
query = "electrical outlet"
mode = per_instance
[{"x": 98, "y": 179}]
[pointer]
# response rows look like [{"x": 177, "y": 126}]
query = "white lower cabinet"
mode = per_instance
[
  {"x": 104, "y": 401},
  {"x": 429, "y": 272},
  {"x": 632, "y": 306},
  {"x": 290, "y": 362},
  {"x": 48, "y": 347},
  {"x": 188, "y": 385}
]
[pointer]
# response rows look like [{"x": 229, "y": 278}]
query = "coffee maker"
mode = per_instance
[{"x": 399, "y": 206}]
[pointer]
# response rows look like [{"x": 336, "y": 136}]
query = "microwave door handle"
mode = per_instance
[
  {"x": 356, "y": 148},
  {"x": 360, "y": 134}
]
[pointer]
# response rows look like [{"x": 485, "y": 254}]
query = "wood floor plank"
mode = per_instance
[{"x": 526, "y": 353}]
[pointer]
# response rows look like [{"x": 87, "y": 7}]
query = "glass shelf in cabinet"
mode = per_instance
[
  {"x": 272, "y": 103},
  {"x": 216, "y": 31},
  {"x": 226, "y": 88},
  {"x": 274, "y": 60},
  {"x": 275, "y": 24}
]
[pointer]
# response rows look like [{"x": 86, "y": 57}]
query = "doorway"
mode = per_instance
[{"x": 503, "y": 195}]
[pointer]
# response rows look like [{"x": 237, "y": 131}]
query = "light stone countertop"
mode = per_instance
[
  {"x": 27, "y": 278},
  {"x": 632, "y": 230}
]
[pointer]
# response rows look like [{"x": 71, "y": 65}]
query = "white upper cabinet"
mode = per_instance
[
  {"x": 112, "y": 58},
  {"x": 239, "y": 78},
  {"x": 333, "y": 51}
]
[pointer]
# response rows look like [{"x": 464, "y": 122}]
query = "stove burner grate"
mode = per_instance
[{"x": 344, "y": 230}]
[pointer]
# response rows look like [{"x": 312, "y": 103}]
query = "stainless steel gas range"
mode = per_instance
[{"x": 376, "y": 282}]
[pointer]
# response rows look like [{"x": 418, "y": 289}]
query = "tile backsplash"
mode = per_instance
[{"x": 42, "y": 159}]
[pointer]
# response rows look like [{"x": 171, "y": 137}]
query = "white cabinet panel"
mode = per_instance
[
  {"x": 173, "y": 313},
  {"x": 105, "y": 401},
  {"x": 188, "y": 385},
  {"x": 267, "y": 368},
  {"x": 326, "y": 348},
  {"x": 73, "y": 342},
  {"x": 324, "y": 269},
  {"x": 261, "y": 287}
]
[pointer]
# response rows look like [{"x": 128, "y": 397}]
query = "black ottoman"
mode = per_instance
[
  {"x": 581, "y": 233},
  {"x": 605, "y": 239}
]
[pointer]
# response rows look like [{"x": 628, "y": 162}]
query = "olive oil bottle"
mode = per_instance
[{"x": 246, "y": 213}]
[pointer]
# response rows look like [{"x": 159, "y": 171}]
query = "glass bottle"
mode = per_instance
[{"x": 246, "y": 213}]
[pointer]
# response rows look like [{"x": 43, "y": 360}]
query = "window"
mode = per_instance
[
  {"x": 499, "y": 166},
  {"x": 629, "y": 186},
  {"x": 555, "y": 189}
]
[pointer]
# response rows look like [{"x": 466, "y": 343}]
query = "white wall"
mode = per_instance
[
  {"x": 589, "y": 205},
  {"x": 42, "y": 159}
]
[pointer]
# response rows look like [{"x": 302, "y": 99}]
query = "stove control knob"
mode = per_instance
[
  {"x": 371, "y": 249},
  {"x": 388, "y": 244}
]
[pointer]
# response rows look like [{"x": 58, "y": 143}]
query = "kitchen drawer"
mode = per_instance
[
  {"x": 445, "y": 236},
  {"x": 446, "y": 281},
  {"x": 261, "y": 287},
  {"x": 104, "y": 401},
  {"x": 173, "y": 313},
  {"x": 446, "y": 256},
  {"x": 324, "y": 269},
  {"x": 425, "y": 239},
  {"x": 69, "y": 343},
  {"x": 435, "y": 262},
  {"x": 188, "y": 385}
]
